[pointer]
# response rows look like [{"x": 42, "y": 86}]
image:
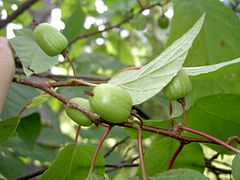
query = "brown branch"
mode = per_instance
[
  {"x": 87, "y": 77},
  {"x": 23, "y": 7},
  {"x": 115, "y": 145},
  {"x": 45, "y": 86},
  {"x": 126, "y": 20},
  {"x": 71, "y": 82}
]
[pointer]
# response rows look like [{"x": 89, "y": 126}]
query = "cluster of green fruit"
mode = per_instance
[
  {"x": 110, "y": 102},
  {"x": 114, "y": 104}
]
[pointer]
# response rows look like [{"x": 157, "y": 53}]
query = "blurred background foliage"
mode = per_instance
[{"x": 134, "y": 43}]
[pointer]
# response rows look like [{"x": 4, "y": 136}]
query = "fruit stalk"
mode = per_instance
[
  {"x": 183, "y": 104},
  {"x": 97, "y": 151},
  {"x": 77, "y": 134},
  {"x": 175, "y": 155},
  {"x": 140, "y": 149},
  {"x": 65, "y": 55}
]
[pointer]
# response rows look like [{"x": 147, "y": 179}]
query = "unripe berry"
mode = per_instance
[
  {"x": 179, "y": 87},
  {"x": 111, "y": 102},
  {"x": 51, "y": 41},
  {"x": 78, "y": 116}
]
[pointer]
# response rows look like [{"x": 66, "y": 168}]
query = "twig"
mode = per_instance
[
  {"x": 49, "y": 145},
  {"x": 71, "y": 82},
  {"x": 218, "y": 170},
  {"x": 35, "y": 174},
  {"x": 175, "y": 155},
  {"x": 114, "y": 167},
  {"x": 126, "y": 20},
  {"x": 140, "y": 149},
  {"x": 24, "y": 109},
  {"x": 77, "y": 134},
  {"x": 97, "y": 150},
  {"x": 141, "y": 112},
  {"x": 65, "y": 55},
  {"x": 115, "y": 145},
  {"x": 86, "y": 77},
  {"x": 211, "y": 138},
  {"x": 140, "y": 4},
  {"x": 24, "y": 6},
  {"x": 97, "y": 120},
  {"x": 125, "y": 155},
  {"x": 46, "y": 88},
  {"x": 232, "y": 139},
  {"x": 111, "y": 166},
  {"x": 215, "y": 156},
  {"x": 131, "y": 160}
]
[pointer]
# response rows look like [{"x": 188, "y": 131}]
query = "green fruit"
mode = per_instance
[
  {"x": 78, "y": 116},
  {"x": 179, "y": 87},
  {"x": 163, "y": 22},
  {"x": 51, "y": 41},
  {"x": 111, "y": 102}
]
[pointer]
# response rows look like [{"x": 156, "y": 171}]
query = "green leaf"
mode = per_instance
[
  {"x": 96, "y": 177},
  {"x": 195, "y": 71},
  {"x": 179, "y": 174},
  {"x": 38, "y": 100},
  {"x": 134, "y": 178},
  {"x": 18, "y": 97},
  {"x": 10, "y": 166},
  {"x": 218, "y": 40},
  {"x": 40, "y": 152},
  {"x": 153, "y": 77},
  {"x": 7, "y": 128},
  {"x": 217, "y": 115},
  {"x": 33, "y": 59},
  {"x": 93, "y": 63},
  {"x": 120, "y": 48},
  {"x": 29, "y": 129},
  {"x": 74, "y": 24},
  {"x": 236, "y": 167},
  {"x": 162, "y": 151},
  {"x": 73, "y": 162}
]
